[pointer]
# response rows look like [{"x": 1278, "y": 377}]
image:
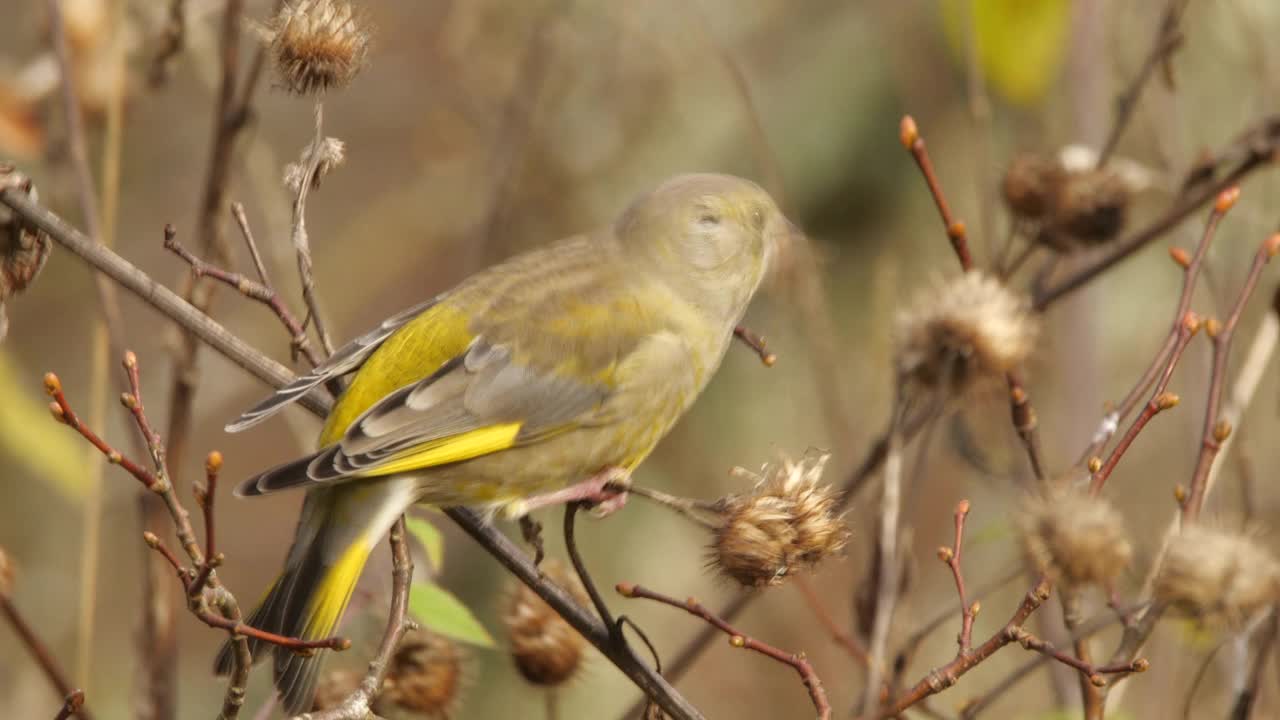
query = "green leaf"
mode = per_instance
[
  {"x": 429, "y": 538},
  {"x": 436, "y": 609}
]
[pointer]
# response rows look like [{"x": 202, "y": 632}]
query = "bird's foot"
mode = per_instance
[{"x": 606, "y": 492}]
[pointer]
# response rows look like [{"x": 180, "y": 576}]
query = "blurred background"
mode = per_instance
[{"x": 479, "y": 129}]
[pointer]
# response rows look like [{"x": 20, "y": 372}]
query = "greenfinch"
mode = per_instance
[{"x": 535, "y": 381}]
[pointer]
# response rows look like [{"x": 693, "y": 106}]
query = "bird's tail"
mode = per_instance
[{"x": 338, "y": 528}]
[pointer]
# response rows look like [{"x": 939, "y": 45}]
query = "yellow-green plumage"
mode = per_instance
[{"x": 532, "y": 375}]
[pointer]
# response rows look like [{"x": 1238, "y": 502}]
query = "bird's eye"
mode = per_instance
[
  {"x": 757, "y": 219},
  {"x": 709, "y": 219}
]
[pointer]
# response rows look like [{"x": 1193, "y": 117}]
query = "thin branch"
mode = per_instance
[
  {"x": 72, "y": 704},
  {"x": 357, "y": 705},
  {"x": 756, "y": 343},
  {"x": 737, "y": 639},
  {"x": 1095, "y": 673},
  {"x": 843, "y": 638},
  {"x": 242, "y": 221},
  {"x": 580, "y": 567},
  {"x": 1216, "y": 431},
  {"x": 951, "y": 556},
  {"x": 40, "y": 652},
  {"x": 887, "y": 584},
  {"x": 312, "y": 169},
  {"x": 1191, "y": 269},
  {"x": 1167, "y": 40},
  {"x": 256, "y": 291},
  {"x": 909, "y": 134},
  {"x": 1247, "y": 697}
]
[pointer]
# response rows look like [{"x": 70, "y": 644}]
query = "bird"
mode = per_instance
[{"x": 541, "y": 380}]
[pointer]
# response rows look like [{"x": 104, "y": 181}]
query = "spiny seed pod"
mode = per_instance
[
  {"x": 334, "y": 688},
  {"x": 425, "y": 677},
  {"x": 963, "y": 330},
  {"x": 788, "y": 523},
  {"x": 1030, "y": 184},
  {"x": 546, "y": 650},
  {"x": 1217, "y": 576},
  {"x": 317, "y": 45},
  {"x": 1076, "y": 538}
]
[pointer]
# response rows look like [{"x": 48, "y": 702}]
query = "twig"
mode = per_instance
[
  {"x": 756, "y": 343},
  {"x": 737, "y": 639},
  {"x": 311, "y": 168},
  {"x": 909, "y": 134},
  {"x": 259, "y": 292},
  {"x": 242, "y": 221},
  {"x": 909, "y": 647},
  {"x": 275, "y": 374},
  {"x": 887, "y": 584},
  {"x": 1242, "y": 708},
  {"x": 571, "y": 547},
  {"x": 357, "y": 705},
  {"x": 1167, "y": 40},
  {"x": 172, "y": 41},
  {"x": 40, "y": 652},
  {"x": 844, "y": 639},
  {"x": 1094, "y": 673},
  {"x": 1216, "y": 430},
  {"x": 951, "y": 556},
  {"x": 1191, "y": 269},
  {"x": 1160, "y": 401},
  {"x": 71, "y": 705}
]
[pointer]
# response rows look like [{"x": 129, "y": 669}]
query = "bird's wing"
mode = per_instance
[{"x": 344, "y": 360}]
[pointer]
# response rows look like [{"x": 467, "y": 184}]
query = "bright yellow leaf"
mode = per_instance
[
  {"x": 1022, "y": 44},
  {"x": 45, "y": 450}
]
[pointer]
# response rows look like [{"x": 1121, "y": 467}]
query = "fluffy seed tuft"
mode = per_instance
[
  {"x": 787, "y": 523},
  {"x": 317, "y": 45},
  {"x": 1078, "y": 539},
  {"x": 334, "y": 688},
  {"x": 1217, "y": 577},
  {"x": 546, "y": 650},
  {"x": 425, "y": 677},
  {"x": 962, "y": 330}
]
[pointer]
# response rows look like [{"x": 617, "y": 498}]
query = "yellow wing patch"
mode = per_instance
[{"x": 457, "y": 448}]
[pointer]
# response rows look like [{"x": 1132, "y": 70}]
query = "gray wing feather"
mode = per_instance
[{"x": 346, "y": 359}]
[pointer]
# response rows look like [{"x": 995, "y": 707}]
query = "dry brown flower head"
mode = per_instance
[
  {"x": 425, "y": 677},
  {"x": 1217, "y": 576},
  {"x": 962, "y": 330},
  {"x": 1073, "y": 202},
  {"x": 1075, "y": 538},
  {"x": 317, "y": 45},
  {"x": 334, "y": 688},
  {"x": 788, "y": 523},
  {"x": 23, "y": 248},
  {"x": 547, "y": 650}
]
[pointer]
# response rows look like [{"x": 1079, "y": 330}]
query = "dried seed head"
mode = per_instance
[
  {"x": 546, "y": 650},
  {"x": 1076, "y": 538},
  {"x": 425, "y": 676},
  {"x": 1029, "y": 185},
  {"x": 317, "y": 45},
  {"x": 316, "y": 161},
  {"x": 1217, "y": 576},
  {"x": 23, "y": 248},
  {"x": 7, "y": 573},
  {"x": 1089, "y": 208},
  {"x": 334, "y": 688},
  {"x": 787, "y": 523},
  {"x": 962, "y": 330}
]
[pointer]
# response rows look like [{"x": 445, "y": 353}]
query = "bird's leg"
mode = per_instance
[
  {"x": 531, "y": 531},
  {"x": 606, "y": 491}
]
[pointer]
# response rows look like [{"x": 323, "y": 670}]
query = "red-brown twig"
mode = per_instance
[
  {"x": 737, "y": 639},
  {"x": 40, "y": 652},
  {"x": 1217, "y": 430},
  {"x": 951, "y": 556},
  {"x": 72, "y": 704},
  {"x": 1191, "y": 266},
  {"x": 257, "y": 291},
  {"x": 203, "y": 590},
  {"x": 1160, "y": 401},
  {"x": 1094, "y": 673},
  {"x": 841, "y": 637},
  {"x": 757, "y": 344},
  {"x": 914, "y": 143}
]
